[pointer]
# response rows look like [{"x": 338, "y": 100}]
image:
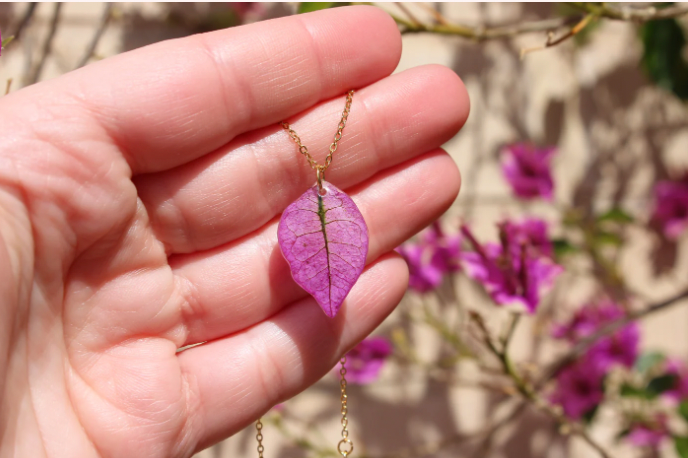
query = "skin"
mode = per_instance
[{"x": 139, "y": 200}]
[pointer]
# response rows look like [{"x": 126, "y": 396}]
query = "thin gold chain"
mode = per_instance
[
  {"x": 345, "y": 446},
  {"x": 333, "y": 147},
  {"x": 345, "y": 442},
  {"x": 259, "y": 438},
  {"x": 320, "y": 168}
]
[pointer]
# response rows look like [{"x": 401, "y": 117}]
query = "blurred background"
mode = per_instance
[{"x": 606, "y": 95}]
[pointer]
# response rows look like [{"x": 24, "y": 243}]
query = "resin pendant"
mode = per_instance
[{"x": 324, "y": 238}]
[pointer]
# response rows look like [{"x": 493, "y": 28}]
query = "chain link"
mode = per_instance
[
  {"x": 345, "y": 446},
  {"x": 259, "y": 438},
  {"x": 333, "y": 147},
  {"x": 345, "y": 442}
]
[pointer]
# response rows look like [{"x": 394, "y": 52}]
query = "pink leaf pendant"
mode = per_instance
[{"x": 324, "y": 238}]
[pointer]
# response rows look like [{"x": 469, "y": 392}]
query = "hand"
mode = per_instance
[{"x": 139, "y": 199}]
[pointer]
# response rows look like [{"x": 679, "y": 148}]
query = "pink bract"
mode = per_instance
[{"x": 324, "y": 238}]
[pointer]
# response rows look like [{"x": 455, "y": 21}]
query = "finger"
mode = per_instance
[
  {"x": 236, "y": 190},
  {"x": 236, "y": 286},
  {"x": 165, "y": 104},
  {"x": 235, "y": 380}
]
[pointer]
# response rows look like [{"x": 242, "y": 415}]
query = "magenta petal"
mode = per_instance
[{"x": 325, "y": 241}]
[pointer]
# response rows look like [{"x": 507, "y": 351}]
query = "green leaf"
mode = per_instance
[
  {"x": 662, "y": 60},
  {"x": 629, "y": 391},
  {"x": 683, "y": 409},
  {"x": 659, "y": 385},
  {"x": 309, "y": 7},
  {"x": 681, "y": 443},
  {"x": 615, "y": 215},
  {"x": 607, "y": 238},
  {"x": 648, "y": 360},
  {"x": 562, "y": 247}
]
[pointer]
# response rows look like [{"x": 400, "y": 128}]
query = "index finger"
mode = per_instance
[{"x": 169, "y": 103}]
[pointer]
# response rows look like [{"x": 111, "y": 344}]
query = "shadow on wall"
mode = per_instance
[{"x": 183, "y": 19}]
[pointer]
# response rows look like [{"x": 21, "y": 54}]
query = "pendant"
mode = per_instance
[{"x": 324, "y": 238}]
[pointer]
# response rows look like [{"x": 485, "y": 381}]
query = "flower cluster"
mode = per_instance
[
  {"x": 671, "y": 207},
  {"x": 365, "y": 360},
  {"x": 528, "y": 171},
  {"x": 580, "y": 387},
  {"x": 518, "y": 270},
  {"x": 435, "y": 255}
]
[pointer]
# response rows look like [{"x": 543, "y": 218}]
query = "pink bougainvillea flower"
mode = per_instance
[
  {"x": 528, "y": 170},
  {"x": 423, "y": 275},
  {"x": 531, "y": 232},
  {"x": 579, "y": 387},
  {"x": 649, "y": 433},
  {"x": 671, "y": 207},
  {"x": 446, "y": 249},
  {"x": 511, "y": 273},
  {"x": 679, "y": 391},
  {"x": 620, "y": 348},
  {"x": 365, "y": 360},
  {"x": 579, "y": 390},
  {"x": 429, "y": 260}
]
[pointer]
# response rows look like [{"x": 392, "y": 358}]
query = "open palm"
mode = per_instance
[{"x": 139, "y": 198}]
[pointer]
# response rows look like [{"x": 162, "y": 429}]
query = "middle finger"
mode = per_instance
[{"x": 240, "y": 187}]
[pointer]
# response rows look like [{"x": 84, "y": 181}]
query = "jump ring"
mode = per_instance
[
  {"x": 344, "y": 441},
  {"x": 320, "y": 176}
]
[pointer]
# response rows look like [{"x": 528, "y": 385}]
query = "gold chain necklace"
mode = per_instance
[
  {"x": 320, "y": 169},
  {"x": 316, "y": 202},
  {"x": 345, "y": 445}
]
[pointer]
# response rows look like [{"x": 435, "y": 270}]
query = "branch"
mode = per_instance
[
  {"x": 553, "y": 42},
  {"x": 506, "y": 339},
  {"x": 582, "y": 346},
  {"x": 107, "y": 15},
  {"x": 530, "y": 395},
  {"x": 629, "y": 13},
  {"x": 546, "y": 25},
  {"x": 47, "y": 45},
  {"x": 488, "y": 33},
  {"x": 408, "y": 14}
]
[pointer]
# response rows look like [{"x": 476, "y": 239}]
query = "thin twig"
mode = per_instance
[
  {"x": 47, "y": 45},
  {"x": 531, "y": 395},
  {"x": 488, "y": 33},
  {"x": 553, "y": 42},
  {"x": 631, "y": 13},
  {"x": 436, "y": 14},
  {"x": 25, "y": 20},
  {"x": 513, "y": 322},
  {"x": 582, "y": 346},
  {"x": 408, "y": 14},
  {"x": 104, "y": 21},
  {"x": 545, "y": 25},
  {"x": 8, "y": 86}
]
